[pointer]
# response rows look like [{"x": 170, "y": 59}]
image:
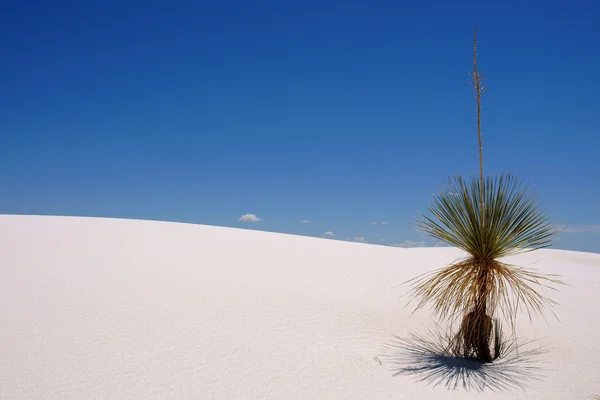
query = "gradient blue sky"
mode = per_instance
[{"x": 343, "y": 113}]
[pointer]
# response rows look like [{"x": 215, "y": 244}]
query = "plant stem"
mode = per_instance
[{"x": 478, "y": 92}]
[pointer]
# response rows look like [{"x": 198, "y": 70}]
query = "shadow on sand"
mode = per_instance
[{"x": 426, "y": 359}]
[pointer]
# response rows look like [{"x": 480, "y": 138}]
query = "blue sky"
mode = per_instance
[{"x": 343, "y": 113}]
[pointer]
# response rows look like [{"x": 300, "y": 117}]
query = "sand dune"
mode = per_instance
[{"x": 123, "y": 309}]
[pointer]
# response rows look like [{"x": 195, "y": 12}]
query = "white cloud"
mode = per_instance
[
  {"x": 580, "y": 228},
  {"x": 383, "y": 223},
  {"x": 249, "y": 218},
  {"x": 383, "y": 240},
  {"x": 358, "y": 239},
  {"x": 304, "y": 221},
  {"x": 328, "y": 234},
  {"x": 374, "y": 223},
  {"x": 410, "y": 243}
]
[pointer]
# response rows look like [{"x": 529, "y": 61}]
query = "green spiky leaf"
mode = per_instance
[{"x": 500, "y": 220}]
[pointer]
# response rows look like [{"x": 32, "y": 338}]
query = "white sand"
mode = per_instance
[{"x": 122, "y": 309}]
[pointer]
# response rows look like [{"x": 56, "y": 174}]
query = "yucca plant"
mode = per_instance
[{"x": 488, "y": 218}]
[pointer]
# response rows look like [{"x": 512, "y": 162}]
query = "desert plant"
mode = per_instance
[{"x": 488, "y": 218}]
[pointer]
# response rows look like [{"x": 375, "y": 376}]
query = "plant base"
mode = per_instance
[{"x": 473, "y": 338}]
